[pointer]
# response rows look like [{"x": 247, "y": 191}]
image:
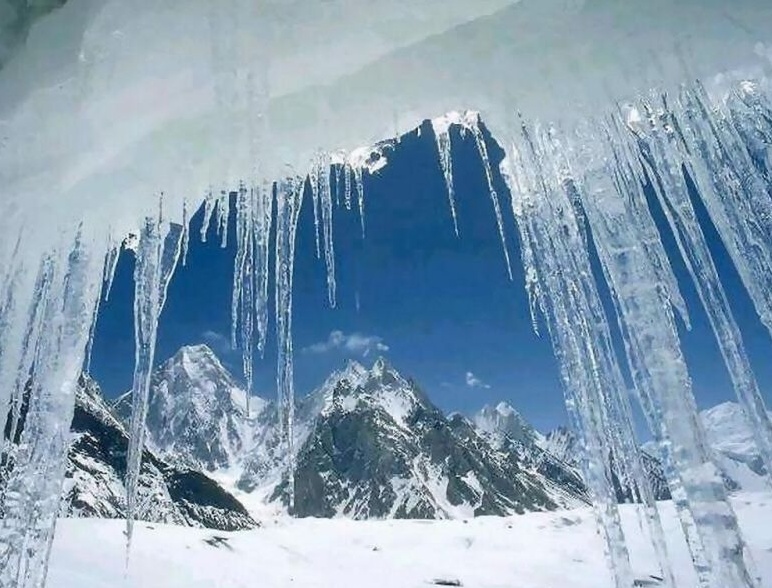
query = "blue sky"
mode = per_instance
[{"x": 442, "y": 309}]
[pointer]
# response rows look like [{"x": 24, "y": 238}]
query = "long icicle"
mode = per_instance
[
  {"x": 661, "y": 146},
  {"x": 553, "y": 247},
  {"x": 209, "y": 206},
  {"x": 289, "y": 198},
  {"x": 359, "y": 181},
  {"x": 735, "y": 191},
  {"x": 658, "y": 366},
  {"x": 24, "y": 370},
  {"x": 243, "y": 233},
  {"x": 314, "y": 181},
  {"x": 442, "y": 139},
  {"x": 157, "y": 255},
  {"x": 347, "y": 184},
  {"x": 248, "y": 301},
  {"x": 263, "y": 215},
  {"x": 31, "y": 501},
  {"x": 243, "y": 279},
  {"x": 325, "y": 197}
]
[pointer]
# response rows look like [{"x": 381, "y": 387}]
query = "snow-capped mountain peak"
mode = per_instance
[
  {"x": 728, "y": 430},
  {"x": 504, "y": 420},
  {"x": 368, "y": 443},
  {"x": 209, "y": 379},
  {"x": 197, "y": 413},
  {"x": 380, "y": 367},
  {"x": 380, "y": 388},
  {"x": 730, "y": 436}
]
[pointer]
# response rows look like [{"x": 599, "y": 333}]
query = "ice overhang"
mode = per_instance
[{"x": 110, "y": 103}]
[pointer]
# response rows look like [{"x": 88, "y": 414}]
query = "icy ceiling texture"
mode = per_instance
[{"x": 112, "y": 89}]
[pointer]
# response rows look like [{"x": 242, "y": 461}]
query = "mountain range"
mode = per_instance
[{"x": 368, "y": 443}]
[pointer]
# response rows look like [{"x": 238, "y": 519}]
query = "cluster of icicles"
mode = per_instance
[{"x": 575, "y": 194}]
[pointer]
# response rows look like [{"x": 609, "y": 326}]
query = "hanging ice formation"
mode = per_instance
[
  {"x": 597, "y": 167},
  {"x": 289, "y": 197},
  {"x": 324, "y": 191},
  {"x": 441, "y": 127},
  {"x": 46, "y": 325},
  {"x": 249, "y": 304},
  {"x": 157, "y": 254},
  {"x": 203, "y": 120}
]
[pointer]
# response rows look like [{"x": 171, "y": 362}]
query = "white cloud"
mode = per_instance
[
  {"x": 474, "y": 382},
  {"x": 354, "y": 344},
  {"x": 217, "y": 342}
]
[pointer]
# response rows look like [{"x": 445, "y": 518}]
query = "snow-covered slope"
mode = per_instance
[
  {"x": 381, "y": 449},
  {"x": 561, "y": 443},
  {"x": 94, "y": 482},
  {"x": 536, "y": 550},
  {"x": 729, "y": 436}
]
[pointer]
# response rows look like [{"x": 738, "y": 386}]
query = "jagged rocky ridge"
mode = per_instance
[
  {"x": 556, "y": 453},
  {"x": 96, "y": 468},
  {"x": 727, "y": 430}
]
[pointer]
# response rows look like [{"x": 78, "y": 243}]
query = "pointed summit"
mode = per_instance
[
  {"x": 196, "y": 355},
  {"x": 504, "y": 421},
  {"x": 383, "y": 370},
  {"x": 380, "y": 367},
  {"x": 354, "y": 371},
  {"x": 196, "y": 410}
]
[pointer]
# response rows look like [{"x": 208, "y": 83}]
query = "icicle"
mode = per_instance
[
  {"x": 338, "y": 183},
  {"x": 243, "y": 301},
  {"x": 483, "y": 151},
  {"x": 628, "y": 174},
  {"x": 31, "y": 502},
  {"x": 20, "y": 345},
  {"x": 441, "y": 129},
  {"x": 243, "y": 233},
  {"x": 347, "y": 187},
  {"x": 734, "y": 190},
  {"x": 209, "y": 206},
  {"x": 223, "y": 217},
  {"x": 662, "y": 149},
  {"x": 113, "y": 255},
  {"x": 157, "y": 254},
  {"x": 314, "y": 181},
  {"x": 325, "y": 197},
  {"x": 657, "y": 363},
  {"x": 185, "y": 232},
  {"x": 263, "y": 215},
  {"x": 248, "y": 299},
  {"x": 289, "y": 198},
  {"x": 575, "y": 322},
  {"x": 360, "y": 185}
]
